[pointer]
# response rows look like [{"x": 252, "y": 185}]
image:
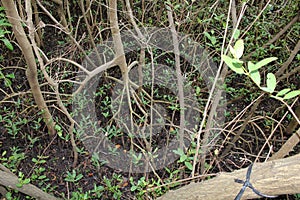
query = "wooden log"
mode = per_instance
[
  {"x": 271, "y": 178},
  {"x": 8, "y": 179}
]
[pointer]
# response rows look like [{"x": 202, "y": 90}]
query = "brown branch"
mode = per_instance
[
  {"x": 141, "y": 38},
  {"x": 52, "y": 82},
  {"x": 62, "y": 16},
  {"x": 280, "y": 33},
  {"x": 292, "y": 72},
  {"x": 233, "y": 14},
  {"x": 294, "y": 123},
  {"x": 31, "y": 71},
  {"x": 38, "y": 33},
  {"x": 115, "y": 30},
  {"x": 178, "y": 75},
  {"x": 241, "y": 130},
  {"x": 85, "y": 14},
  {"x": 59, "y": 2},
  {"x": 286, "y": 64},
  {"x": 205, "y": 147},
  {"x": 287, "y": 147}
]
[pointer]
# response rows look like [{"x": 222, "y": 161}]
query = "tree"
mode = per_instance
[
  {"x": 124, "y": 68},
  {"x": 26, "y": 47}
]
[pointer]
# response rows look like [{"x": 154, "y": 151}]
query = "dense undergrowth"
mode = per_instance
[{"x": 28, "y": 151}]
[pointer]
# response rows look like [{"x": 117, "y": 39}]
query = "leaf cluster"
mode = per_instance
[
  {"x": 252, "y": 70},
  {"x": 3, "y": 25}
]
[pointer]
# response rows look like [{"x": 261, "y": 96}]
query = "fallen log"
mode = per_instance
[
  {"x": 8, "y": 179},
  {"x": 271, "y": 178}
]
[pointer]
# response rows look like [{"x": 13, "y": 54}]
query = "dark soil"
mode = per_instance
[{"x": 58, "y": 152}]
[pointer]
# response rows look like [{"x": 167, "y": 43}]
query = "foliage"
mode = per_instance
[
  {"x": 73, "y": 176},
  {"x": 184, "y": 158},
  {"x": 252, "y": 71},
  {"x": 22, "y": 180},
  {"x": 4, "y": 24},
  {"x": 28, "y": 151}
]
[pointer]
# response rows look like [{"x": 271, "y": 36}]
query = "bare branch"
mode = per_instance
[{"x": 31, "y": 72}]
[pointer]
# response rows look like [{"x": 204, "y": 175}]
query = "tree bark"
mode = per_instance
[
  {"x": 293, "y": 124},
  {"x": 31, "y": 71},
  {"x": 8, "y": 179},
  {"x": 116, "y": 35},
  {"x": 270, "y": 178}
]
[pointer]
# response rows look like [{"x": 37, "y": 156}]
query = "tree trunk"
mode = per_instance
[
  {"x": 31, "y": 71},
  {"x": 271, "y": 178}
]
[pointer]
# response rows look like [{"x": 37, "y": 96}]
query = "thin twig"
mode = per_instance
[{"x": 179, "y": 76}]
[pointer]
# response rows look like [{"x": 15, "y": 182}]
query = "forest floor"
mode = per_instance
[{"x": 29, "y": 151}]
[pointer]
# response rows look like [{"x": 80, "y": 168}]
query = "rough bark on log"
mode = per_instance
[
  {"x": 10, "y": 180},
  {"x": 271, "y": 178}
]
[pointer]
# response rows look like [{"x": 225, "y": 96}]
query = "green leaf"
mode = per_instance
[
  {"x": 283, "y": 92},
  {"x": 213, "y": 40},
  {"x": 3, "y": 32},
  {"x": 236, "y": 34},
  {"x": 57, "y": 127},
  {"x": 183, "y": 158},
  {"x": 266, "y": 89},
  {"x": 7, "y": 82},
  {"x": 179, "y": 151},
  {"x": 271, "y": 82},
  {"x": 42, "y": 161},
  {"x": 198, "y": 90},
  {"x": 133, "y": 188},
  {"x": 177, "y": 6},
  {"x": 234, "y": 64},
  {"x": 207, "y": 35},
  {"x": 78, "y": 177},
  {"x": 188, "y": 165},
  {"x": 251, "y": 66},
  {"x": 264, "y": 62},
  {"x": 239, "y": 48},
  {"x": 232, "y": 51},
  {"x": 42, "y": 177},
  {"x": 4, "y": 23},
  {"x": 8, "y": 44},
  {"x": 292, "y": 94},
  {"x": 11, "y": 75},
  {"x": 255, "y": 76},
  {"x": 26, "y": 181}
]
